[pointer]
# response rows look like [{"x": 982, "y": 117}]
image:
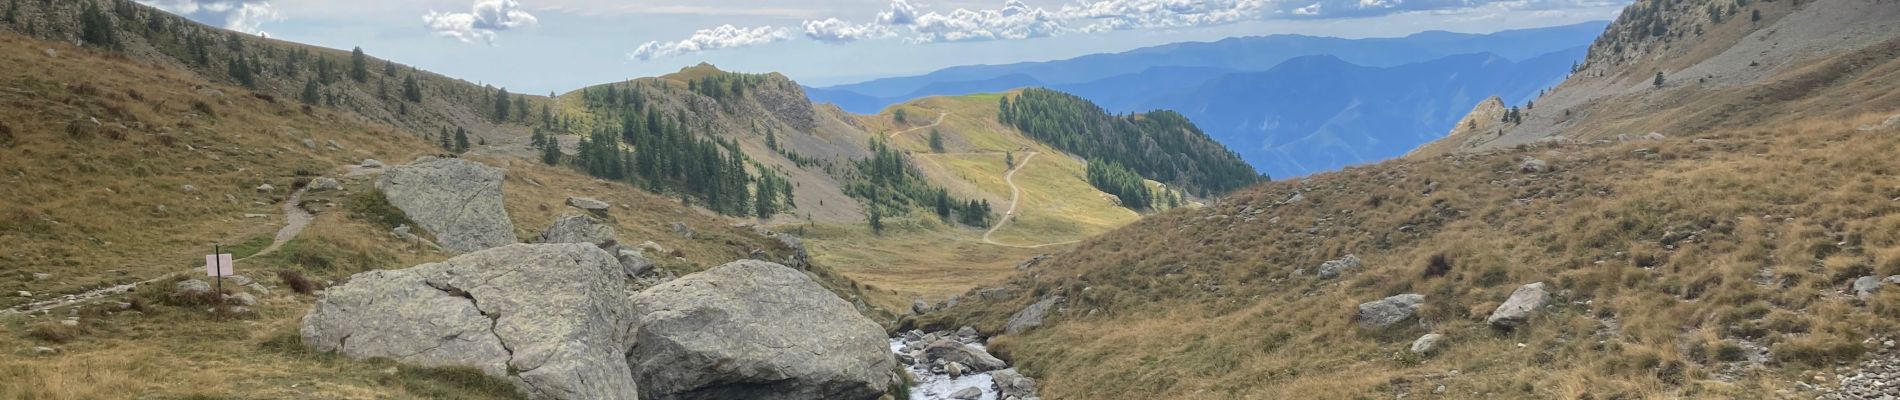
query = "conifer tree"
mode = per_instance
[
  {"x": 359, "y": 65},
  {"x": 936, "y": 141},
  {"x": 309, "y": 92},
  {"x": 411, "y": 90},
  {"x": 501, "y": 105},
  {"x": 461, "y": 140},
  {"x": 446, "y": 141}
]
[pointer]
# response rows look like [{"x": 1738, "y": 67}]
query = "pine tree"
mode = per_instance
[
  {"x": 1659, "y": 79},
  {"x": 96, "y": 28},
  {"x": 551, "y": 152},
  {"x": 359, "y": 65},
  {"x": 309, "y": 92},
  {"x": 241, "y": 72},
  {"x": 501, "y": 105},
  {"x": 461, "y": 140},
  {"x": 1753, "y": 16},
  {"x": 936, "y": 141},
  {"x": 539, "y": 139},
  {"x": 900, "y": 116},
  {"x": 943, "y": 205},
  {"x": 13, "y": 12},
  {"x": 876, "y": 220},
  {"x": 411, "y": 90},
  {"x": 445, "y": 140},
  {"x": 1009, "y": 160}
]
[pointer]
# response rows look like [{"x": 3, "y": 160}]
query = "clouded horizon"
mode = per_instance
[{"x": 537, "y": 46}]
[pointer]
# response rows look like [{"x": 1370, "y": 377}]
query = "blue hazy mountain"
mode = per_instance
[
  {"x": 1318, "y": 113},
  {"x": 1237, "y": 54}
]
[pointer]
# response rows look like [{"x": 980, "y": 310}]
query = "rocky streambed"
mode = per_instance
[{"x": 955, "y": 365}]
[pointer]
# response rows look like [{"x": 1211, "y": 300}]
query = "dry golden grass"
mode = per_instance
[{"x": 1662, "y": 267}]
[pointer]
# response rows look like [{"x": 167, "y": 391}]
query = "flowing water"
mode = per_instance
[{"x": 930, "y": 385}]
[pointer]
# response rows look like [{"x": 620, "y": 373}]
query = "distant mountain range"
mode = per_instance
[{"x": 1289, "y": 104}]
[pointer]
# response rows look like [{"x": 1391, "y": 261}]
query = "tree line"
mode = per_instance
[{"x": 1159, "y": 145}]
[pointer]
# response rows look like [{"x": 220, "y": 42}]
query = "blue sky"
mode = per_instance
[{"x": 537, "y": 46}]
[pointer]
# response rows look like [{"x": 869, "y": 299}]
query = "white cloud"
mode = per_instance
[
  {"x": 1015, "y": 20},
  {"x": 901, "y": 13},
  {"x": 246, "y": 16},
  {"x": 1146, "y": 14},
  {"x": 833, "y": 30},
  {"x": 722, "y": 37},
  {"x": 485, "y": 18}
]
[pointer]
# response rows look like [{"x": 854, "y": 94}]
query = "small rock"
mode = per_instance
[
  {"x": 51, "y": 53},
  {"x": 265, "y": 188},
  {"x": 953, "y": 369},
  {"x": 968, "y": 393},
  {"x": 919, "y": 307},
  {"x": 1389, "y": 311},
  {"x": 324, "y": 183},
  {"x": 1532, "y": 165},
  {"x": 1524, "y": 301},
  {"x": 241, "y": 299},
  {"x": 1425, "y": 344},
  {"x": 42, "y": 350},
  {"x": 593, "y": 206},
  {"x": 191, "y": 286},
  {"x": 23, "y": 293},
  {"x": 189, "y": 189},
  {"x": 1331, "y": 269},
  {"x": 371, "y": 163},
  {"x": 311, "y": 144},
  {"x": 680, "y": 228},
  {"x": 1654, "y": 136},
  {"x": 69, "y": 322},
  {"x": 40, "y": 276},
  {"x": 1866, "y": 286}
]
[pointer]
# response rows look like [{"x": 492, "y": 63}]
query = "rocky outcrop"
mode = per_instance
[
  {"x": 459, "y": 201},
  {"x": 597, "y": 207},
  {"x": 1332, "y": 269},
  {"x": 952, "y": 351},
  {"x": 1523, "y": 302},
  {"x": 551, "y": 318},
  {"x": 755, "y": 330},
  {"x": 1866, "y": 286},
  {"x": 1010, "y": 383},
  {"x": 1031, "y": 317},
  {"x": 1389, "y": 311}
]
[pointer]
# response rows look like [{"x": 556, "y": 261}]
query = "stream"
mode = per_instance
[{"x": 932, "y": 385}]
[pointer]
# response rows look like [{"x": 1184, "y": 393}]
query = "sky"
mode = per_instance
[{"x": 539, "y": 46}]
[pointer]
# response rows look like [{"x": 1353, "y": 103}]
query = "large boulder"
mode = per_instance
[
  {"x": 576, "y": 228},
  {"x": 596, "y": 207},
  {"x": 551, "y": 318},
  {"x": 1030, "y": 317},
  {"x": 1523, "y": 302},
  {"x": 457, "y": 200},
  {"x": 1389, "y": 311},
  {"x": 755, "y": 330}
]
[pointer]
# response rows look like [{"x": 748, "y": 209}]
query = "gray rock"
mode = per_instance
[
  {"x": 1030, "y": 317},
  {"x": 970, "y": 356},
  {"x": 551, "y": 318},
  {"x": 994, "y": 294},
  {"x": 632, "y": 262},
  {"x": 1895, "y": 279},
  {"x": 1425, "y": 344},
  {"x": 243, "y": 299},
  {"x": 919, "y": 307},
  {"x": 800, "y": 259},
  {"x": 1866, "y": 286},
  {"x": 23, "y": 293},
  {"x": 239, "y": 280},
  {"x": 191, "y": 286},
  {"x": 324, "y": 183},
  {"x": 1523, "y": 302},
  {"x": 371, "y": 163},
  {"x": 69, "y": 322},
  {"x": 1332, "y": 269},
  {"x": 968, "y": 393},
  {"x": 1390, "y": 311},
  {"x": 457, "y": 200},
  {"x": 966, "y": 332},
  {"x": 189, "y": 189},
  {"x": 1654, "y": 136},
  {"x": 1010, "y": 383},
  {"x": 266, "y": 188},
  {"x": 680, "y": 228},
  {"x": 576, "y": 228},
  {"x": 1533, "y": 165},
  {"x": 43, "y": 350},
  {"x": 755, "y": 330},
  {"x": 596, "y": 207},
  {"x": 40, "y": 276},
  {"x": 311, "y": 144}
]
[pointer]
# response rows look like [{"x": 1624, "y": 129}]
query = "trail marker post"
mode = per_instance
[{"x": 217, "y": 265}]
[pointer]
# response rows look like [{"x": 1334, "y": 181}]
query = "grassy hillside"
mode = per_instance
[
  {"x": 1711, "y": 266},
  {"x": 97, "y": 151}
]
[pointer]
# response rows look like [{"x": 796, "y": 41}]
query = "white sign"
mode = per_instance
[{"x": 218, "y": 265}]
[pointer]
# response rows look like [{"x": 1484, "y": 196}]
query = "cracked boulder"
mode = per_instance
[
  {"x": 755, "y": 330},
  {"x": 551, "y": 318},
  {"x": 459, "y": 201}
]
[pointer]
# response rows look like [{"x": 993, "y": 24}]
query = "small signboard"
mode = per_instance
[{"x": 218, "y": 265}]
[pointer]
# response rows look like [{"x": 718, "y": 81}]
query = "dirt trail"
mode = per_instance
[
  {"x": 1015, "y": 197},
  {"x": 296, "y": 220},
  {"x": 940, "y": 116}
]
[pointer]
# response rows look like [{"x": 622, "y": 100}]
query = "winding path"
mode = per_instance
[
  {"x": 1015, "y": 197},
  {"x": 296, "y": 220},
  {"x": 940, "y": 116}
]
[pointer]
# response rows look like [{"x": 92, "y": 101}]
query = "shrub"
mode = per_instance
[
  {"x": 1438, "y": 265},
  {"x": 52, "y": 331},
  {"x": 298, "y": 282},
  {"x": 371, "y": 206}
]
